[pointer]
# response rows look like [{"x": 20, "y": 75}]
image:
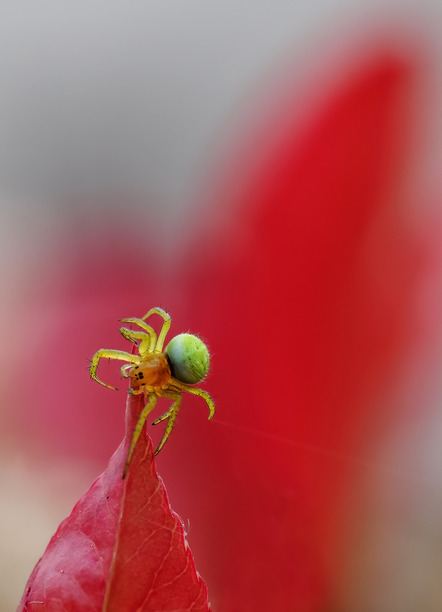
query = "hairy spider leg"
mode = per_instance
[
  {"x": 135, "y": 391},
  {"x": 165, "y": 328},
  {"x": 110, "y": 354},
  {"x": 139, "y": 427},
  {"x": 135, "y": 336},
  {"x": 125, "y": 373},
  {"x": 125, "y": 369},
  {"x": 171, "y": 415},
  {"x": 147, "y": 328},
  {"x": 195, "y": 391}
]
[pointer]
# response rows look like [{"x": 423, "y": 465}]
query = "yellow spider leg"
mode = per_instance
[
  {"x": 138, "y": 429},
  {"x": 147, "y": 328},
  {"x": 163, "y": 417},
  {"x": 133, "y": 336},
  {"x": 170, "y": 395},
  {"x": 135, "y": 391},
  {"x": 171, "y": 414},
  {"x": 125, "y": 370},
  {"x": 166, "y": 326},
  {"x": 109, "y": 354},
  {"x": 125, "y": 373},
  {"x": 196, "y": 391}
]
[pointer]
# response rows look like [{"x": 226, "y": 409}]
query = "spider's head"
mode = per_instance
[
  {"x": 188, "y": 357},
  {"x": 153, "y": 370}
]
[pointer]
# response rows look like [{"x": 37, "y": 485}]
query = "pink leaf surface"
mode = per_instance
[{"x": 122, "y": 547}]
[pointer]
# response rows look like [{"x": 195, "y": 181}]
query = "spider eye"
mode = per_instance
[{"x": 189, "y": 358}]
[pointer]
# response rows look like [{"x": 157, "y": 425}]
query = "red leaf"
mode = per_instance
[{"x": 122, "y": 547}]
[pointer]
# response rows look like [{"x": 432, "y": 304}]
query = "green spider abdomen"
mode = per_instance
[{"x": 189, "y": 358}]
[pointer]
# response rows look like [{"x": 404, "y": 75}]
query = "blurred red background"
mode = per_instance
[{"x": 309, "y": 262}]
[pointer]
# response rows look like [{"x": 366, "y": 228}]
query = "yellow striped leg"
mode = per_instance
[
  {"x": 196, "y": 391},
  {"x": 147, "y": 328},
  {"x": 166, "y": 326},
  {"x": 138, "y": 429},
  {"x": 134, "y": 336},
  {"x": 110, "y": 354},
  {"x": 171, "y": 415}
]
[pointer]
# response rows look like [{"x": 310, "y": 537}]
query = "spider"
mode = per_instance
[{"x": 158, "y": 373}]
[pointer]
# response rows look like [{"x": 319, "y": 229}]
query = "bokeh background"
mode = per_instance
[{"x": 270, "y": 173}]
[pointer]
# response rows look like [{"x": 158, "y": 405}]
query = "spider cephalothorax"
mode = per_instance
[{"x": 154, "y": 373}]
